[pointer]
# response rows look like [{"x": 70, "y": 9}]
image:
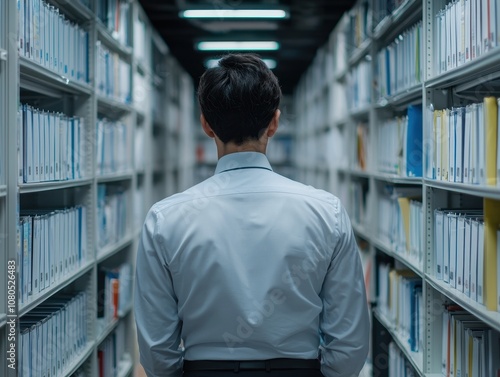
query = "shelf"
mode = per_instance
[
  {"x": 140, "y": 115},
  {"x": 74, "y": 9},
  {"x": 382, "y": 27},
  {"x": 42, "y": 80},
  {"x": 105, "y": 36},
  {"x": 341, "y": 122},
  {"x": 26, "y": 188},
  {"x": 110, "y": 250},
  {"x": 402, "y": 99},
  {"x": 3, "y": 54},
  {"x": 125, "y": 367},
  {"x": 396, "y": 179},
  {"x": 142, "y": 68},
  {"x": 79, "y": 360},
  {"x": 416, "y": 359},
  {"x": 111, "y": 107},
  {"x": 360, "y": 52},
  {"x": 359, "y": 173},
  {"x": 360, "y": 230},
  {"x": 491, "y": 318},
  {"x": 469, "y": 74},
  {"x": 490, "y": 192},
  {"x": 3, "y": 191},
  {"x": 107, "y": 329},
  {"x": 125, "y": 176},
  {"x": 45, "y": 294},
  {"x": 343, "y": 171},
  {"x": 340, "y": 76},
  {"x": 360, "y": 113},
  {"x": 401, "y": 19},
  {"x": 409, "y": 262}
]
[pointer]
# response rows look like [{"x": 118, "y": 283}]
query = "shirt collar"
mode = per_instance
[{"x": 242, "y": 160}]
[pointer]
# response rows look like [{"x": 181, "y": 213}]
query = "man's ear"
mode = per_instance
[
  {"x": 206, "y": 127},
  {"x": 273, "y": 125}
]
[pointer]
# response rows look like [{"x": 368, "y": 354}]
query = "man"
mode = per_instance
[{"x": 254, "y": 272}]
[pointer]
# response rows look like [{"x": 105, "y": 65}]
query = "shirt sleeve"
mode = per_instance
[
  {"x": 345, "y": 320},
  {"x": 155, "y": 307}
]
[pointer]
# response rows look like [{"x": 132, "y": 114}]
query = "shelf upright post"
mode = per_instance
[{"x": 92, "y": 365}]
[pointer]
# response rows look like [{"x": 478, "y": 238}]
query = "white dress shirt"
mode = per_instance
[{"x": 250, "y": 265}]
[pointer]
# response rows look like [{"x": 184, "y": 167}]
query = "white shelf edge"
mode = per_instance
[
  {"x": 343, "y": 170},
  {"x": 125, "y": 367},
  {"x": 490, "y": 192},
  {"x": 415, "y": 358},
  {"x": 3, "y": 191},
  {"x": 73, "y": 8},
  {"x": 113, "y": 104},
  {"x": 360, "y": 173},
  {"x": 361, "y": 112},
  {"x": 110, "y": 250},
  {"x": 471, "y": 71},
  {"x": 104, "y": 35},
  {"x": 53, "y": 185},
  {"x": 491, "y": 318},
  {"x": 360, "y": 230},
  {"x": 109, "y": 327},
  {"x": 381, "y": 28},
  {"x": 115, "y": 177},
  {"x": 41, "y": 297},
  {"x": 360, "y": 52},
  {"x": 404, "y": 97},
  {"x": 401, "y": 18},
  {"x": 404, "y": 8},
  {"x": 393, "y": 178},
  {"x": 79, "y": 360},
  {"x": 340, "y": 76},
  {"x": 3, "y": 54},
  {"x": 392, "y": 253},
  {"x": 43, "y": 75}
]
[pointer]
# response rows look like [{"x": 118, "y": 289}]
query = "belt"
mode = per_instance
[{"x": 237, "y": 365}]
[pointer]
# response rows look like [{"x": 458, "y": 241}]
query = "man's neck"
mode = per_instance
[{"x": 250, "y": 146}]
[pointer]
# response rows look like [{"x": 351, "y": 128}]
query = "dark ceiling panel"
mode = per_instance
[{"x": 300, "y": 36}]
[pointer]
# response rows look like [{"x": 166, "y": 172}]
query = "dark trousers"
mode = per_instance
[
  {"x": 253, "y": 368},
  {"x": 255, "y": 373}
]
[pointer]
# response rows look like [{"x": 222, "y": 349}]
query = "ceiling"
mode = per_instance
[{"x": 300, "y": 35}]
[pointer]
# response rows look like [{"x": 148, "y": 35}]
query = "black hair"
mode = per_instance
[{"x": 239, "y": 97}]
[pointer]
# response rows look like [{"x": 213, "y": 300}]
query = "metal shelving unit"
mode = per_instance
[
  {"x": 457, "y": 87},
  {"x": 23, "y": 80}
]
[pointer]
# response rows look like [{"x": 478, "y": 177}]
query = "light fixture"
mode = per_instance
[
  {"x": 238, "y": 45},
  {"x": 234, "y": 13},
  {"x": 211, "y": 63}
]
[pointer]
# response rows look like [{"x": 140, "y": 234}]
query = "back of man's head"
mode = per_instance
[{"x": 239, "y": 97}]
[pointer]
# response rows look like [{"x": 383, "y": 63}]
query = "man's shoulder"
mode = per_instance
[
  {"x": 179, "y": 198},
  {"x": 310, "y": 191},
  {"x": 215, "y": 186}
]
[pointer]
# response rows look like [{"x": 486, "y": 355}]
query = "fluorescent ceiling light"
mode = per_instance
[
  {"x": 238, "y": 45},
  {"x": 234, "y": 13},
  {"x": 210, "y": 63}
]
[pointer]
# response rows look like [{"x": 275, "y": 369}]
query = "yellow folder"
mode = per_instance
[{"x": 490, "y": 132}]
